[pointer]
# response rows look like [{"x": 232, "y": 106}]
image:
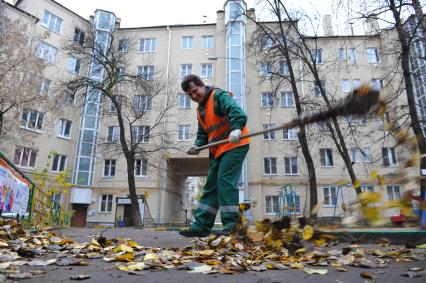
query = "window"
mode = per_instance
[
  {"x": 284, "y": 71},
  {"x": 46, "y": 52},
  {"x": 316, "y": 88},
  {"x": 265, "y": 42},
  {"x": 268, "y": 135},
  {"x": 352, "y": 54},
  {"x": 183, "y": 132},
  {"x": 326, "y": 157},
  {"x": 389, "y": 157},
  {"x": 272, "y": 205},
  {"x": 118, "y": 99},
  {"x": 367, "y": 188},
  {"x": 187, "y": 42},
  {"x": 394, "y": 192},
  {"x": 58, "y": 164},
  {"x": 121, "y": 72},
  {"x": 270, "y": 166},
  {"x": 289, "y": 134},
  {"x": 342, "y": 54},
  {"x": 51, "y": 21},
  {"x": 206, "y": 71},
  {"x": 140, "y": 134},
  {"x": 346, "y": 86},
  {"x": 366, "y": 154},
  {"x": 147, "y": 45},
  {"x": 64, "y": 129},
  {"x": 109, "y": 167},
  {"x": 106, "y": 203},
  {"x": 347, "y": 53},
  {"x": 123, "y": 45},
  {"x": 32, "y": 120},
  {"x": 265, "y": 70},
  {"x": 267, "y": 99},
  {"x": 79, "y": 36},
  {"x": 113, "y": 134},
  {"x": 372, "y": 55},
  {"x": 287, "y": 99},
  {"x": 74, "y": 65},
  {"x": 330, "y": 195},
  {"x": 317, "y": 56},
  {"x": 290, "y": 165},
  {"x": 25, "y": 157},
  {"x": 354, "y": 120},
  {"x": 293, "y": 203},
  {"x": 69, "y": 98},
  {"x": 207, "y": 41},
  {"x": 142, "y": 103},
  {"x": 185, "y": 69},
  {"x": 357, "y": 83},
  {"x": 355, "y": 155},
  {"x": 184, "y": 101},
  {"x": 141, "y": 167},
  {"x": 377, "y": 84},
  {"x": 146, "y": 72},
  {"x": 44, "y": 87},
  {"x": 381, "y": 121}
]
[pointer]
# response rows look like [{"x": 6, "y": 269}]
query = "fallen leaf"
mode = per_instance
[
  {"x": 206, "y": 253},
  {"x": 83, "y": 276},
  {"x": 201, "y": 269},
  {"x": 315, "y": 271},
  {"x": 39, "y": 262},
  {"x": 366, "y": 275},
  {"x": 308, "y": 232},
  {"x": 297, "y": 265}
]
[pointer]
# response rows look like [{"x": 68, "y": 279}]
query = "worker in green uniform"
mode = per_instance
[{"x": 219, "y": 117}]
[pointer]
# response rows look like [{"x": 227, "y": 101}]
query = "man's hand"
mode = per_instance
[
  {"x": 193, "y": 150},
  {"x": 234, "y": 136}
]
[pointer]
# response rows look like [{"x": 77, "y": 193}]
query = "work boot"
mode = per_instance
[{"x": 191, "y": 233}]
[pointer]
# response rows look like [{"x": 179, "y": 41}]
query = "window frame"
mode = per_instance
[
  {"x": 108, "y": 203},
  {"x": 31, "y": 157},
  {"x": 188, "y": 70},
  {"x": 292, "y": 162},
  {"x": 109, "y": 168},
  {"x": 62, "y": 127},
  {"x": 184, "y": 132},
  {"x": 274, "y": 203},
  {"x": 141, "y": 134},
  {"x": 291, "y": 134},
  {"x": 61, "y": 163},
  {"x": 209, "y": 39},
  {"x": 268, "y": 98},
  {"x": 206, "y": 71},
  {"x": 325, "y": 157},
  {"x": 287, "y": 94},
  {"x": 391, "y": 151},
  {"x": 142, "y": 103},
  {"x": 71, "y": 67},
  {"x": 147, "y": 48},
  {"x": 186, "y": 101},
  {"x": 143, "y": 167},
  {"x": 271, "y": 166},
  {"x": 188, "y": 42},
  {"x": 113, "y": 134},
  {"x": 28, "y": 117},
  {"x": 370, "y": 56},
  {"x": 51, "y": 17},
  {"x": 268, "y": 136},
  {"x": 332, "y": 201}
]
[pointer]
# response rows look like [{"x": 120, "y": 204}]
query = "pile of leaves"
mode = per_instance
[{"x": 264, "y": 246}]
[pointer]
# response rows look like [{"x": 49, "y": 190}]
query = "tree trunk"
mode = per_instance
[
  {"x": 136, "y": 214},
  {"x": 313, "y": 194},
  {"x": 405, "y": 65}
]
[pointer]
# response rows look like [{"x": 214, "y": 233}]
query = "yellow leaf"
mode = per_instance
[
  {"x": 369, "y": 197},
  {"x": 213, "y": 262},
  {"x": 374, "y": 175},
  {"x": 320, "y": 242},
  {"x": 206, "y": 253},
  {"x": 308, "y": 232},
  {"x": 300, "y": 251},
  {"x": 381, "y": 180},
  {"x": 297, "y": 265},
  {"x": 151, "y": 256},
  {"x": 132, "y": 243},
  {"x": 125, "y": 257},
  {"x": 315, "y": 208},
  {"x": 315, "y": 271}
]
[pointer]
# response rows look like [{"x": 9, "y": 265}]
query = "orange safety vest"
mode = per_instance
[{"x": 218, "y": 128}]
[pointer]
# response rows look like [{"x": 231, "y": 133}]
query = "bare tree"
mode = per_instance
[
  {"x": 275, "y": 39},
  {"x": 135, "y": 103},
  {"x": 21, "y": 85}
]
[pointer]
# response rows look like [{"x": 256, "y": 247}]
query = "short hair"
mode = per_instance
[{"x": 186, "y": 82}]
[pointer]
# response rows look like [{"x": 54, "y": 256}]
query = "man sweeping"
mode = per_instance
[{"x": 219, "y": 117}]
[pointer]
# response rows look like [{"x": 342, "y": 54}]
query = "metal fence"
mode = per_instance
[{"x": 41, "y": 207}]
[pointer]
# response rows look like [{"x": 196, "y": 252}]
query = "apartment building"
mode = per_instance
[{"x": 219, "y": 53}]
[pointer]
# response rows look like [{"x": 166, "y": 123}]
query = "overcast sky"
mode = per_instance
[{"x": 137, "y": 13}]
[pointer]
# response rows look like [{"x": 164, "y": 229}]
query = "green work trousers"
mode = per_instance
[{"x": 221, "y": 192}]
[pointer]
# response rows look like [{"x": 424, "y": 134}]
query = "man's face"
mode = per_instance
[{"x": 196, "y": 93}]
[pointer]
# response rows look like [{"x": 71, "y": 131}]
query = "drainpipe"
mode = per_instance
[{"x": 163, "y": 163}]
